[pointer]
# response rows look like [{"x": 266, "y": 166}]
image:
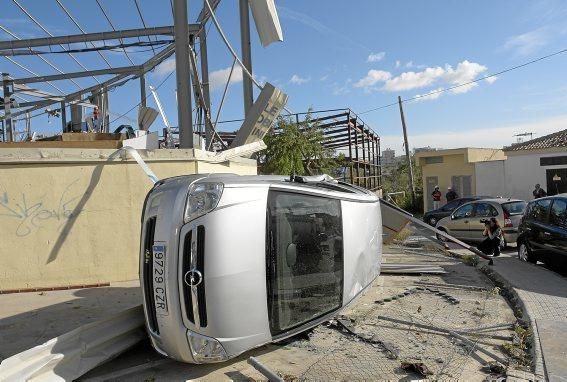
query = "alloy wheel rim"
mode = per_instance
[{"x": 523, "y": 252}]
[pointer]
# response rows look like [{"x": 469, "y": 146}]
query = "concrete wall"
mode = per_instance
[
  {"x": 490, "y": 179},
  {"x": 523, "y": 171},
  {"x": 72, "y": 217}
]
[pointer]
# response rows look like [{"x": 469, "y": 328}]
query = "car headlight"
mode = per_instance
[
  {"x": 203, "y": 198},
  {"x": 205, "y": 349}
]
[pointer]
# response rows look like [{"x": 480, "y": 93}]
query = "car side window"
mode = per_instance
[
  {"x": 540, "y": 210},
  {"x": 558, "y": 213},
  {"x": 485, "y": 210},
  {"x": 450, "y": 206},
  {"x": 463, "y": 212}
]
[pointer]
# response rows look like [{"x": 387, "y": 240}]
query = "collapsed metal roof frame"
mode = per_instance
[
  {"x": 185, "y": 37},
  {"x": 343, "y": 130}
]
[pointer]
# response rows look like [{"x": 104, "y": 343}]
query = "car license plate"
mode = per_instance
[{"x": 160, "y": 295}]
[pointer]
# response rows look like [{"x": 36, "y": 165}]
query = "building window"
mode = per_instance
[
  {"x": 553, "y": 161},
  {"x": 462, "y": 184},
  {"x": 432, "y": 160}
]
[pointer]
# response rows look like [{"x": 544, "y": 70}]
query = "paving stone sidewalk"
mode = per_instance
[{"x": 543, "y": 294}]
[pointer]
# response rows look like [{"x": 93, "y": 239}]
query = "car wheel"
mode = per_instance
[
  {"x": 432, "y": 221},
  {"x": 525, "y": 254},
  {"x": 441, "y": 238}
]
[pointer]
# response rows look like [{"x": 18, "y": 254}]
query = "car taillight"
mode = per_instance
[{"x": 507, "y": 220}]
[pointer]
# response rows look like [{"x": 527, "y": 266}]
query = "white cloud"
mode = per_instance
[
  {"x": 324, "y": 78},
  {"x": 372, "y": 78},
  {"x": 448, "y": 76},
  {"x": 218, "y": 78},
  {"x": 409, "y": 64},
  {"x": 165, "y": 67},
  {"x": 375, "y": 57},
  {"x": 398, "y": 64},
  {"x": 433, "y": 94},
  {"x": 475, "y": 137},
  {"x": 413, "y": 80},
  {"x": 529, "y": 42},
  {"x": 491, "y": 80},
  {"x": 296, "y": 79}
]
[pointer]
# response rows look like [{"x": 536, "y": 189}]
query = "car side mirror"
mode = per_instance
[{"x": 453, "y": 217}]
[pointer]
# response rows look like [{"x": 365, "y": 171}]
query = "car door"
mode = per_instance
[
  {"x": 555, "y": 241},
  {"x": 539, "y": 215},
  {"x": 482, "y": 211},
  {"x": 459, "y": 224}
]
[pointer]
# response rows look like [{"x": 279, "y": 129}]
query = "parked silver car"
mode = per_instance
[
  {"x": 466, "y": 222},
  {"x": 229, "y": 263}
]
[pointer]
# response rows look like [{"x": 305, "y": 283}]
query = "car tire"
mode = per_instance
[
  {"x": 432, "y": 221},
  {"x": 525, "y": 253},
  {"x": 441, "y": 238}
]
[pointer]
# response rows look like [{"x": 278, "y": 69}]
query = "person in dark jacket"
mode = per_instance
[
  {"x": 538, "y": 192},
  {"x": 451, "y": 195},
  {"x": 493, "y": 233}
]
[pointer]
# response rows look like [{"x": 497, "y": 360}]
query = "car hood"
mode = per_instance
[{"x": 444, "y": 221}]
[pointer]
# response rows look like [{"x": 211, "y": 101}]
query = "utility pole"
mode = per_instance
[
  {"x": 246, "y": 55},
  {"x": 410, "y": 173},
  {"x": 184, "y": 105}
]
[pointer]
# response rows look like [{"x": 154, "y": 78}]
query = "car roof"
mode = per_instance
[
  {"x": 496, "y": 200},
  {"x": 562, "y": 196}
]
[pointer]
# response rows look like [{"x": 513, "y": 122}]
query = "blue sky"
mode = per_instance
[{"x": 361, "y": 55}]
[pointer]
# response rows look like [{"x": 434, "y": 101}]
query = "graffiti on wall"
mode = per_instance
[{"x": 32, "y": 213}]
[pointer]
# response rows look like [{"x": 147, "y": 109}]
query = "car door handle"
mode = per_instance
[{"x": 547, "y": 234}]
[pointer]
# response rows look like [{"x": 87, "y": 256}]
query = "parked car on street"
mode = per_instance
[
  {"x": 542, "y": 234},
  {"x": 432, "y": 217},
  {"x": 466, "y": 222},
  {"x": 229, "y": 263}
]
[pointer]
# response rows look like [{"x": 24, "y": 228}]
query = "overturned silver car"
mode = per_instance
[{"x": 229, "y": 263}]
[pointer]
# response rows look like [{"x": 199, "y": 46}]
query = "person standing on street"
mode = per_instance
[
  {"x": 538, "y": 192},
  {"x": 436, "y": 194},
  {"x": 451, "y": 194}
]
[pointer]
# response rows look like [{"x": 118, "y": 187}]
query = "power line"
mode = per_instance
[
  {"x": 143, "y": 21},
  {"x": 41, "y": 58},
  {"x": 50, "y": 34},
  {"x": 33, "y": 74},
  {"x": 114, "y": 29},
  {"x": 33, "y": 52},
  {"x": 470, "y": 82},
  {"x": 81, "y": 29}
]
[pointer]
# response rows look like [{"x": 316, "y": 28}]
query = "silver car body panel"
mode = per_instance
[
  {"x": 473, "y": 232},
  {"x": 235, "y": 253}
]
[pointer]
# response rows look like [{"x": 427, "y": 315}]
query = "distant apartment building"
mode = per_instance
[{"x": 388, "y": 157}]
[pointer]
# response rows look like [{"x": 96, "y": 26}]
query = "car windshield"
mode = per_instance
[
  {"x": 305, "y": 258},
  {"x": 514, "y": 208}
]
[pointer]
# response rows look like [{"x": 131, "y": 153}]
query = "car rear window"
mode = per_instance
[{"x": 514, "y": 208}]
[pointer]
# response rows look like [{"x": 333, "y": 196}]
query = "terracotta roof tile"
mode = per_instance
[{"x": 558, "y": 139}]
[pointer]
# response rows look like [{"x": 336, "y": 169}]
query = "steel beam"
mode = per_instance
[
  {"x": 97, "y": 36},
  {"x": 143, "y": 90},
  {"x": 205, "y": 81},
  {"x": 66, "y": 76},
  {"x": 184, "y": 104},
  {"x": 246, "y": 55},
  {"x": 7, "y": 88}
]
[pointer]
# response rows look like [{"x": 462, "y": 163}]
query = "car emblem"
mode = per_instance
[{"x": 193, "y": 278}]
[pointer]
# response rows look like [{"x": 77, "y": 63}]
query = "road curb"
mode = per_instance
[{"x": 518, "y": 304}]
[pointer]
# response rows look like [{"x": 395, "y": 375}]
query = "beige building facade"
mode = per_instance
[
  {"x": 454, "y": 168},
  {"x": 71, "y": 217}
]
